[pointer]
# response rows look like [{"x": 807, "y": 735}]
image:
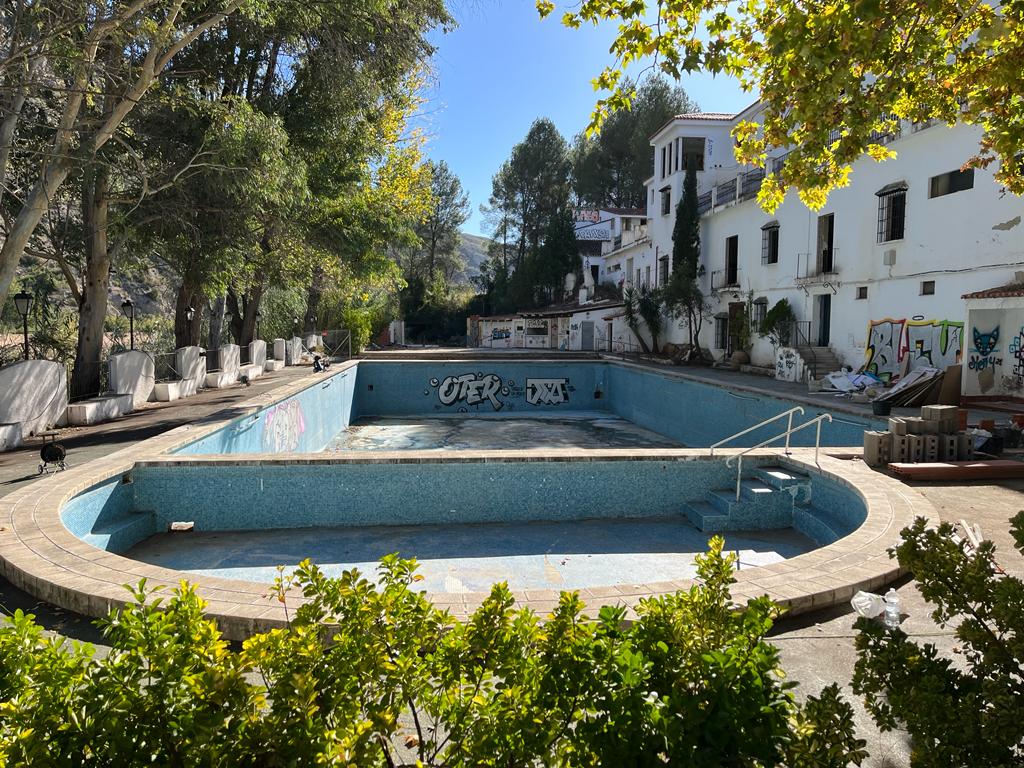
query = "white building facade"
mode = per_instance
[{"x": 877, "y": 275}]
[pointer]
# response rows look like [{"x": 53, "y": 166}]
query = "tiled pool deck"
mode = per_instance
[{"x": 38, "y": 554}]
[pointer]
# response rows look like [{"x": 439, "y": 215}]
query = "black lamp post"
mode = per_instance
[
  {"x": 23, "y": 303},
  {"x": 259, "y": 316},
  {"x": 229, "y": 316},
  {"x": 295, "y": 326},
  {"x": 128, "y": 307}
]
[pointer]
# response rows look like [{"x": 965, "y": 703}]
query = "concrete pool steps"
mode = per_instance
[
  {"x": 760, "y": 507},
  {"x": 120, "y": 532},
  {"x": 798, "y": 483}
]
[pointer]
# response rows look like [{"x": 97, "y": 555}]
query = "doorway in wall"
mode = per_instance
[
  {"x": 824, "y": 318},
  {"x": 736, "y": 310},
  {"x": 587, "y": 335}
]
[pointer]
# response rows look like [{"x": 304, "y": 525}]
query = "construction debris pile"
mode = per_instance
[
  {"x": 921, "y": 386},
  {"x": 938, "y": 434}
]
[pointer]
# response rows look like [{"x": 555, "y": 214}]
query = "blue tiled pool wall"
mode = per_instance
[
  {"x": 303, "y": 423},
  {"x": 693, "y": 413},
  {"x": 479, "y": 387},
  {"x": 698, "y": 415},
  {"x": 218, "y": 497}
]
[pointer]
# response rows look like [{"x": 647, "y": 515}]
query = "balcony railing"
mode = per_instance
[
  {"x": 704, "y": 203},
  {"x": 725, "y": 193},
  {"x": 750, "y": 183},
  {"x": 810, "y": 266},
  {"x": 626, "y": 238},
  {"x": 724, "y": 278}
]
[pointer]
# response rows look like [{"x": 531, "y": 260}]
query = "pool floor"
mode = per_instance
[
  {"x": 470, "y": 558},
  {"x": 580, "y": 430}
]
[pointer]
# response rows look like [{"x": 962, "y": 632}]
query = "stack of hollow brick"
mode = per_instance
[{"x": 932, "y": 436}]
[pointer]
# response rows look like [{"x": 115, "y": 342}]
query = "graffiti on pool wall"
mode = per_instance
[
  {"x": 984, "y": 355},
  {"x": 547, "y": 391},
  {"x": 283, "y": 427},
  {"x": 471, "y": 389},
  {"x": 933, "y": 343},
  {"x": 476, "y": 389}
]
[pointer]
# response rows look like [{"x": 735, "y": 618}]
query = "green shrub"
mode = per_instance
[
  {"x": 373, "y": 674},
  {"x": 360, "y": 321},
  {"x": 957, "y": 714}
]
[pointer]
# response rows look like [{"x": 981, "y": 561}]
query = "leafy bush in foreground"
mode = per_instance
[
  {"x": 958, "y": 714},
  {"x": 373, "y": 675}
]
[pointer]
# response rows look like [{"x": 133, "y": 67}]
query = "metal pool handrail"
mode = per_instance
[
  {"x": 739, "y": 456},
  {"x": 789, "y": 428}
]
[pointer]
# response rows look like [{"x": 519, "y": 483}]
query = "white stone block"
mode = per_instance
[
  {"x": 313, "y": 341},
  {"x": 34, "y": 394},
  {"x": 279, "y": 347},
  {"x": 250, "y": 370},
  {"x": 273, "y": 365},
  {"x": 190, "y": 363},
  {"x": 293, "y": 351},
  {"x": 258, "y": 353},
  {"x": 229, "y": 356},
  {"x": 133, "y": 373},
  {"x": 221, "y": 379},
  {"x": 97, "y": 410},
  {"x": 10, "y": 437},
  {"x": 189, "y": 387},
  {"x": 167, "y": 391}
]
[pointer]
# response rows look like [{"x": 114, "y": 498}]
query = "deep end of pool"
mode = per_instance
[{"x": 678, "y": 410}]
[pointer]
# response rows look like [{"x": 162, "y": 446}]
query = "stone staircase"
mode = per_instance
[
  {"x": 819, "y": 361},
  {"x": 772, "y": 497},
  {"x": 768, "y": 500}
]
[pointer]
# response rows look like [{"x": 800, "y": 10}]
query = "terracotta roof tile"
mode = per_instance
[{"x": 1009, "y": 290}]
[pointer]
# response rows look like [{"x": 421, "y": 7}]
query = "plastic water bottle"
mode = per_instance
[{"x": 892, "y": 609}]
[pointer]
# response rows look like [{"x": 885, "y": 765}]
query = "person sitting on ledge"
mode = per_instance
[{"x": 320, "y": 364}]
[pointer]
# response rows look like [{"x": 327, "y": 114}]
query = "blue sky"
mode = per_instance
[{"x": 503, "y": 68}]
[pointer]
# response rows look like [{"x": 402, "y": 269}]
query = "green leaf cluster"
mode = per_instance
[
  {"x": 833, "y": 77},
  {"x": 369, "y": 672},
  {"x": 967, "y": 711}
]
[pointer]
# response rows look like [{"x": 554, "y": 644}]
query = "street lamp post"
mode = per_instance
[
  {"x": 190, "y": 314},
  {"x": 23, "y": 303},
  {"x": 229, "y": 317},
  {"x": 259, "y": 316},
  {"x": 128, "y": 307}
]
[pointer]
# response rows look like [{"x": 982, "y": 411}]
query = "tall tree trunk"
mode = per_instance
[
  {"x": 243, "y": 314},
  {"x": 216, "y": 323},
  {"x": 186, "y": 333},
  {"x": 92, "y": 310},
  {"x": 313, "y": 297}
]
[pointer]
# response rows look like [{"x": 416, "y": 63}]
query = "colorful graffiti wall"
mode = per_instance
[{"x": 932, "y": 343}]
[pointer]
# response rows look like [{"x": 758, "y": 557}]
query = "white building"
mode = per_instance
[
  {"x": 876, "y": 275},
  {"x": 613, "y": 235}
]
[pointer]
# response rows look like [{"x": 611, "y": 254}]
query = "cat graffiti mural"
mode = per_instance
[{"x": 932, "y": 343}]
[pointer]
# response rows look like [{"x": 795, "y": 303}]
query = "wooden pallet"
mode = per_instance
[{"x": 996, "y": 469}]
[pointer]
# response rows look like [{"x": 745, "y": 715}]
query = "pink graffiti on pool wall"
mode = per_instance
[{"x": 284, "y": 427}]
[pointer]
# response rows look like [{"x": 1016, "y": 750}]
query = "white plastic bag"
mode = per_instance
[{"x": 868, "y": 604}]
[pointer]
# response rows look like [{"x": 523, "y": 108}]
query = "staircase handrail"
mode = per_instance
[
  {"x": 739, "y": 456},
  {"x": 789, "y": 428}
]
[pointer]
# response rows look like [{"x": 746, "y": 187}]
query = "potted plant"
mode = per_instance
[{"x": 739, "y": 331}]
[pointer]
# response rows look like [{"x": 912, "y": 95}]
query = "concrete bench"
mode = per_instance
[
  {"x": 273, "y": 365},
  {"x": 252, "y": 370},
  {"x": 97, "y": 410},
  {"x": 167, "y": 391},
  {"x": 221, "y": 379},
  {"x": 10, "y": 436}
]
